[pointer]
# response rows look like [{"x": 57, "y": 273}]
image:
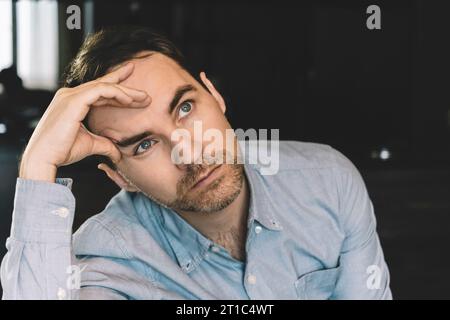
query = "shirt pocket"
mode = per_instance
[{"x": 317, "y": 285}]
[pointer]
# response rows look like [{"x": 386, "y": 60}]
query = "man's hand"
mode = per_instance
[{"x": 60, "y": 137}]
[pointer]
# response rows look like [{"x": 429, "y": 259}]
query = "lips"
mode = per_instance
[{"x": 205, "y": 176}]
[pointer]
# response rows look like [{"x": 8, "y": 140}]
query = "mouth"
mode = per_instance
[{"x": 207, "y": 178}]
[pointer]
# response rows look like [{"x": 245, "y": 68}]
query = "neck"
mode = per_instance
[{"x": 227, "y": 227}]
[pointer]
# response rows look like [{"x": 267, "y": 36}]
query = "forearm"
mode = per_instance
[
  {"x": 39, "y": 247},
  {"x": 36, "y": 168}
]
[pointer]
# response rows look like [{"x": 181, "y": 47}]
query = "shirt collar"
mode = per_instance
[
  {"x": 190, "y": 246},
  {"x": 261, "y": 207}
]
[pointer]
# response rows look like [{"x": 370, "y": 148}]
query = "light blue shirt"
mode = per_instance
[{"x": 311, "y": 235}]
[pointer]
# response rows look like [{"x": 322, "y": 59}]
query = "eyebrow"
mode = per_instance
[
  {"x": 132, "y": 140},
  {"x": 179, "y": 93}
]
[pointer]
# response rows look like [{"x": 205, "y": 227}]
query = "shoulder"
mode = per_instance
[
  {"x": 294, "y": 155},
  {"x": 309, "y": 174},
  {"x": 305, "y": 155},
  {"x": 324, "y": 164}
]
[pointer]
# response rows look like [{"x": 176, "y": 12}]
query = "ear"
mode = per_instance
[
  {"x": 115, "y": 176},
  {"x": 213, "y": 91}
]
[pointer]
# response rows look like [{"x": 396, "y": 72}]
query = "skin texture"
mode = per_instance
[
  {"x": 209, "y": 208},
  {"x": 134, "y": 98},
  {"x": 153, "y": 171},
  {"x": 60, "y": 138}
]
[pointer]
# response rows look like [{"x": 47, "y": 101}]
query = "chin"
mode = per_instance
[{"x": 218, "y": 195}]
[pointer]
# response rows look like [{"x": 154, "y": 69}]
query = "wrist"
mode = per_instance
[{"x": 35, "y": 169}]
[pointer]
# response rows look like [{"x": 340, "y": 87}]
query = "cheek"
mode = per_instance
[
  {"x": 210, "y": 116},
  {"x": 207, "y": 110},
  {"x": 158, "y": 177}
]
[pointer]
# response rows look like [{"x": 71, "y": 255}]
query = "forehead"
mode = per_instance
[{"x": 156, "y": 74}]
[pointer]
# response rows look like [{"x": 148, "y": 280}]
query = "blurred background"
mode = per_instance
[{"x": 310, "y": 68}]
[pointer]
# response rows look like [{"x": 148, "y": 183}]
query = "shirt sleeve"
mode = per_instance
[
  {"x": 39, "y": 263},
  {"x": 363, "y": 271}
]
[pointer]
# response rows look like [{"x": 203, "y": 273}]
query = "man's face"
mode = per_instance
[{"x": 178, "y": 101}]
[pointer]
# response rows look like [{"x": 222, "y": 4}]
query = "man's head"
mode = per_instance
[{"x": 145, "y": 136}]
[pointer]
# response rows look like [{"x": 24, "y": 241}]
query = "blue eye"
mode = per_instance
[
  {"x": 144, "y": 146},
  {"x": 185, "y": 109}
]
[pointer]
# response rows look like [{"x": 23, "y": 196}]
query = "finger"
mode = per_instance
[
  {"x": 119, "y": 74},
  {"x": 136, "y": 94},
  {"x": 114, "y": 103},
  {"x": 106, "y": 91},
  {"x": 103, "y": 146}
]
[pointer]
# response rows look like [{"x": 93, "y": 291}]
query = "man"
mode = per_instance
[{"x": 180, "y": 229}]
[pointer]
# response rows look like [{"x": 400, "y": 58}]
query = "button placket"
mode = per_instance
[
  {"x": 61, "y": 294},
  {"x": 251, "y": 279}
]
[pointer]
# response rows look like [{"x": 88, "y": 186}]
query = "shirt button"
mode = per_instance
[
  {"x": 61, "y": 294},
  {"x": 215, "y": 248},
  {"x": 62, "y": 212},
  {"x": 258, "y": 229},
  {"x": 251, "y": 279}
]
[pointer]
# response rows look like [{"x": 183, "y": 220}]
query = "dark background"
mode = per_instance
[{"x": 313, "y": 70}]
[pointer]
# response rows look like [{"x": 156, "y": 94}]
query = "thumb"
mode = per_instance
[{"x": 103, "y": 146}]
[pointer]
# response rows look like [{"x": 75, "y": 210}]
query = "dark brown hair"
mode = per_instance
[{"x": 112, "y": 46}]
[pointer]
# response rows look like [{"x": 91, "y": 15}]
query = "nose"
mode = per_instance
[{"x": 185, "y": 149}]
